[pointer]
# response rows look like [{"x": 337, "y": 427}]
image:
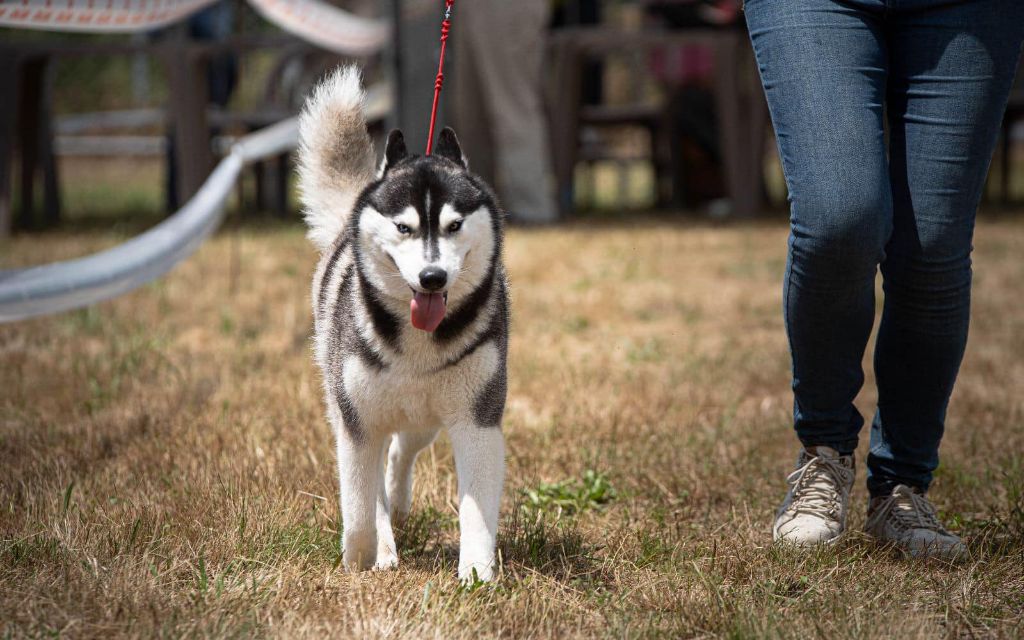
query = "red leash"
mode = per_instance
[{"x": 445, "y": 27}]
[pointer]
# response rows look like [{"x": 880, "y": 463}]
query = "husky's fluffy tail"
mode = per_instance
[{"x": 336, "y": 157}]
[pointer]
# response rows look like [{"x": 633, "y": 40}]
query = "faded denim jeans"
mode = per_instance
[{"x": 837, "y": 73}]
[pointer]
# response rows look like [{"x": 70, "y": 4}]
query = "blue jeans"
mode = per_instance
[{"x": 837, "y": 74}]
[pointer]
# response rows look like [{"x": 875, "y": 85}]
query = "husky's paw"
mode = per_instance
[
  {"x": 360, "y": 550},
  {"x": 386, "y": 563},
  {"x": 471, "y": 573},
  {"x": 387, "y": 558}
]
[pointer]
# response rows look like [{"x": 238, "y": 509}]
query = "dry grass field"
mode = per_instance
[{"x": 166, "y": 469}]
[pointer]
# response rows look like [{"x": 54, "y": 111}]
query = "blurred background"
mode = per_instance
[
  {"x": 570, "y": 108},
  {"x": 165, "y": 465}
]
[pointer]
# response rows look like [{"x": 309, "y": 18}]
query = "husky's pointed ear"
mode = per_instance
[
  {"x": 448, "y": 147},
  {"x": 394, "y": 150}
]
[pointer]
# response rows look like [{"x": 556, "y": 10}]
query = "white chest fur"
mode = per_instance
[{"x": 402, "y": 397}]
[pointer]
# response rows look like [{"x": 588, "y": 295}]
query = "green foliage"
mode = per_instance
[
  {"x": 546, "y": 545},
  {"x": 423, "y": 527},
  {"x": 650, "y": 350},
  {"x": 568, "y": 497}
]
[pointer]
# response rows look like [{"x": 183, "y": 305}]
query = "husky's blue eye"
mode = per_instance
[
  {"x": 403, "y": 228},
  {"x": 455, "y": 226}
]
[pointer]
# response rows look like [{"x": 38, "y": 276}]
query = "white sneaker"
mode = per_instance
[
  {"x": 907, "y": 519},
  {"x": 814, "y": 511}
]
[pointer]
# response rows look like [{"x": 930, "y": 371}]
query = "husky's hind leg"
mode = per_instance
[
  {"x": 480, "y": 464},
  {"x": 405, "y": 446},
  {"x": 360, "y": 474},
  {"x": 387, "y": 550}
]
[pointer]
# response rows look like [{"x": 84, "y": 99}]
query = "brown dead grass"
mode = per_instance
[{"x": 166, "y": 470}]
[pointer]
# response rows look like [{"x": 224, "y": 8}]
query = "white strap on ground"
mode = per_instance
[
  {"x": 60, "y": 286},
  {"x": 71, "y": 284}
]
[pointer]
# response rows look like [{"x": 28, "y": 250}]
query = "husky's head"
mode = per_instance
[{"x": 429, "y": 231}]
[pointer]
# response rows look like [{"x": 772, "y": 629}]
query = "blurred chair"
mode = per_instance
[
  {"x": 578, "y": 128},
  {"x": 26, "y": 84}
]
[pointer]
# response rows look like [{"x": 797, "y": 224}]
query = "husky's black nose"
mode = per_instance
[{"x": 433, "y": 278}]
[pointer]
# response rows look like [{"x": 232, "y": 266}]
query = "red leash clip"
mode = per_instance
[{"x": 446, "y": 26}]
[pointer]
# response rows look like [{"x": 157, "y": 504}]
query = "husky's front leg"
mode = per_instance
[
  {"x": 360, "y": 474},
  {"x": 480, "y": 464},
  {"x": 387, "y": 550}
]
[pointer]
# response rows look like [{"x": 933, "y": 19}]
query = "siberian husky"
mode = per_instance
[{"x": 411, "y": 321}]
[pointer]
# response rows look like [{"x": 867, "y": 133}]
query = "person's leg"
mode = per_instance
[
  {"x": 951, "y": 69},
  {"x": 508, "y": 49},
  {"x": 823, "y": 66},
  {"x": 469, "y": 106}
]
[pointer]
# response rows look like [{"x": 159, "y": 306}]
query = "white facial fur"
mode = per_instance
[{"x": 464, "y": 254}]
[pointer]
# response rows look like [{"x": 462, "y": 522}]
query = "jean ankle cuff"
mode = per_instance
[
  {"x": 844, "y": 447},
  {"x": 882, "y": 487}
]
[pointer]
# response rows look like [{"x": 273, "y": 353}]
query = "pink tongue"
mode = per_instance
[{"x": 427, "y": 310}]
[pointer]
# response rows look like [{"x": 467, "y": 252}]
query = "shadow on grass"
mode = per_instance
[{"x": 553, "y": 548}]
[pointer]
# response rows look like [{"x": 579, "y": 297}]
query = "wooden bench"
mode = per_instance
[
  {"x": 741, "y": 113},
  {"x": 26, "y": 120}
]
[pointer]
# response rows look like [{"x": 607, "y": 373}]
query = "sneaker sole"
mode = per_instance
[
  {"x": 776, "y": 539},
  {"x": 919, "y": 554}
]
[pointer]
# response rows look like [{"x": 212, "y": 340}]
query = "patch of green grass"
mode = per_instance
[
  {"x": 87, "y": 321},
  {"x": 122, "y": 206},
  {"x": 422, "y": 528},
  {"x": 568, "y": 497},
  {"x": 1013, "y": 482},
  {"x": 583, "y": 284},
  {"x": 113, "y": 371},
  {"x": 650, "y": 350},
  {"x": 544, "y": 545},
  {"x": 576, "y": 324},
  {"x": 38, "y": 548},
  {"x": 654, "y": 549},
  {"x": 307, "y": 539},
  {"x": 227, "y": 322}
]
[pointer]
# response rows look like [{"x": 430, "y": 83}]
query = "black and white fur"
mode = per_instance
[{"x": 390, "y": 387}]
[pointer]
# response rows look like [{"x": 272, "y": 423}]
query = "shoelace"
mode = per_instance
[
  {"x": 815, "y": 497},
  {"x": 910, "y": 511}
]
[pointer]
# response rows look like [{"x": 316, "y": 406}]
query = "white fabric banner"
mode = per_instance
[
  {"x": 314, "y": 21},
  {"x": 325, "y": 25},
  {"x": 96, "y": 16}
]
